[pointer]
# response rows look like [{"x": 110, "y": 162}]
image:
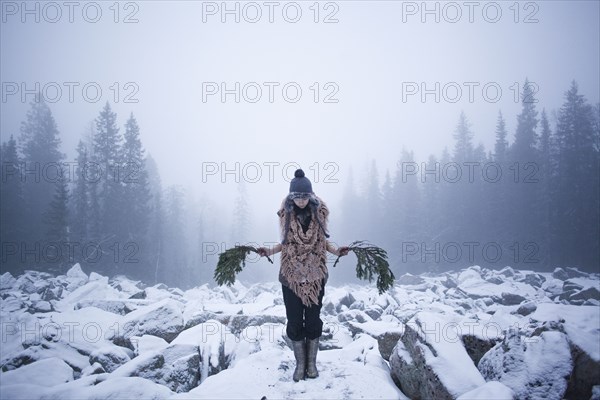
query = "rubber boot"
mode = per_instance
[
  {"x": 311, "y": 356},
  {"x": 299, "y": 347}
]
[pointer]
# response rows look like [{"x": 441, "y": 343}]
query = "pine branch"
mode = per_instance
[
  {"x": 231, "y": 262},
  {"x": 371, "y": 260}
]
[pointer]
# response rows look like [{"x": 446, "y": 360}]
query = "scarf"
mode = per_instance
[{"x": 304, "y": 255}]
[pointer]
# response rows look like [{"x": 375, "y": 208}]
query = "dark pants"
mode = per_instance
[{"x": 303, "y": 322}]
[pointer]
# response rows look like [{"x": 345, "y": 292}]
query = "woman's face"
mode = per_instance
[{"x": 301, "y": 202}]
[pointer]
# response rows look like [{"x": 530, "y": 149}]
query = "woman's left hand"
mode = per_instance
[{"x": 342, "y": 251}]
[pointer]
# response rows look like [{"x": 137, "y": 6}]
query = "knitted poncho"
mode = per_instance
[{"x": 304, "y": 255}]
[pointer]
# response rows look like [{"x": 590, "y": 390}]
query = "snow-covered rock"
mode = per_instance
[
  {"x": 532, "y": 366},
  {"x": 166, "y": 342},
  {"x": 47, "y": 372},
  {"x": 163, "y": 319},
  {"x": 176, "y": 367},
  {"x": 75, "y": 277},
  {"x": 110, "y": 357},
  {"x": 582, "y": 326},
  {"x": 430, "y": 361},
  {"x": 214, "y": 343},
  {"x": 120, "y": 307},
  {"x": 7, "y": 281}
]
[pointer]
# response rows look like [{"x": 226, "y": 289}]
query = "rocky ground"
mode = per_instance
[{"x": 470, "y": 334}]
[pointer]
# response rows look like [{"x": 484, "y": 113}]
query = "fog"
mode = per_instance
[{"x": 329, "y": 87}]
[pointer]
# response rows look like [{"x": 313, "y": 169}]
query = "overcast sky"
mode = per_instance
[{"x": 372, "y": 63}]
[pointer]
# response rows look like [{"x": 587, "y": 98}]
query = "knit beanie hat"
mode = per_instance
[{"x": 300, "y": 186}]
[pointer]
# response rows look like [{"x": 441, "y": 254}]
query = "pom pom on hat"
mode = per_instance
[{"x": 300, "y": 186}]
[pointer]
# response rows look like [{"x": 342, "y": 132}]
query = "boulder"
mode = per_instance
[
  {"x": 386, "y": 342},
  {"x": 139, "y": 295},
  {"x": 526, "y": 308},
  {"x": 430, "y": 362},
  {"x": 511, "y": 299},
  {"x": 533, "y": 366},
  {"x": 570, "y": 285},
  {"x": 163, "y": 319},
  {"x": 409, "y": 279},
  {"x": 94, "y": 369},
  {"x": 450, "y": 282},
  {"x": 374, "y": 312},
  {"x": 585, "y": 376},
  {"x": 176, "y": 367},
  {"x": 75, "y": 277},
  {"x": 110, "y": 357},
  {"x": 507, "y": 272},
  {"x": 495, "y": 280},
  {"x": 477, "y": 345},
  {"x": 560, "y": 274},
  {"x": 535, "y": 280},
  {"x": 114, "y": 306},
  {"x": 46, "y": 372},
  {"x": 214, "y": 343},
  {"x": 586, "y": 294},
  {"x": 575, "y": 273},
  {"x": 40, "y": 307},
  {"x": 238, "y": 323},
  {"x": 7, "y": 281}
]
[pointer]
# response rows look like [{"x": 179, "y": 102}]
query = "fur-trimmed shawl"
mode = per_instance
[{"x": 304, "y": 255}]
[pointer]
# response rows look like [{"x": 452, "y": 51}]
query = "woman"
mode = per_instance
[{"x": 303, "y": 218}]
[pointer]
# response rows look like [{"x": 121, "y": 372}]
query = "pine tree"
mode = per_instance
[
  {"x": 524, "y": 189},
  {"x": 107, "y": 155},
  {"x": 156, "y": 257},
  {"x": 546, "y": 178},
  {"x": 57, "y": 226},
  {"x": 80, "y": 210},
  {"x": 351, "y": 221},
  {"x": 11, "y": 202},
  {"x": 460, "y": 189},
  {"x": 175, "y": 242},
  {"x": 578, "y": 192},
  {"x": 523, "y": 148},
  {"x": 496, "y": 178},
  {"x": 463, "y": 149},
  {"x": 40, "y": 148},
  {"x": 155, "y": 239},
  {"x": 406, "y": 199},
  {"x": 136, "y": 196},
  {"x": 501, "y": 145},
  {"x": 373, "y": 198},
  {"x": 241, "y": 216},
  {"x": 387, "y": 228},
  {"x": 431, "y": 183}
]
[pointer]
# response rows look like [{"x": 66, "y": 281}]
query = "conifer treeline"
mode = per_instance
[
  {"x": 533, "y": 203},
  {"x": 103, "y": 210}
]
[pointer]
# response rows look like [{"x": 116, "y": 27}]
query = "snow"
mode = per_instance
[
  {"x": 210, "y": 337},
  {"x": 164, "y": 315},
  {"x": 536, "y": 367},
  {"x": 444, "y": 350},
  {"x": 356, "y": 372},
  {"x": 47, "y": 372},
  {"x": 146, "y": 343},
  {"x": 58, "y": 354},
  {"x": 490, "y": 390},
  {"x": 582, "y": 324},
  {"x": 94, "y": 290}
]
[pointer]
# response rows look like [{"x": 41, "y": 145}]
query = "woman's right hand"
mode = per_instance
[{"x": 262, "y": 251}]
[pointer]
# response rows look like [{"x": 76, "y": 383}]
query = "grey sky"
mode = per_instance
[{"x": 369, "y": 56}]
